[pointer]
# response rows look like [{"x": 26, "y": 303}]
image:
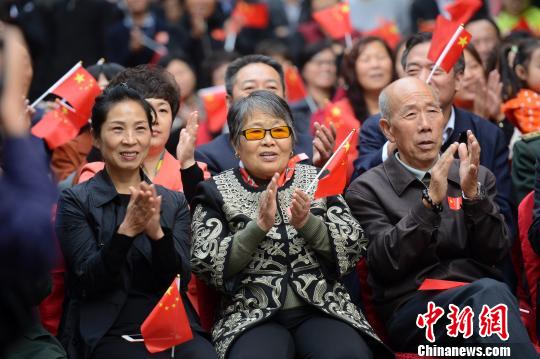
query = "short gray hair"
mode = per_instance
[
  {"x": 384, "y": 104},
  {"x": 262, "y": 101}
]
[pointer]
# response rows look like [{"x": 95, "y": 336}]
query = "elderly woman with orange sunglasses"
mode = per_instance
[{"x": 274, "y": 254}]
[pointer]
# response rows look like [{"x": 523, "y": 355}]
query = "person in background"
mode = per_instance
[
  {"x": 27, "y": 249},
  {"x": 179, "y": 65},
  {"x": 485, "y": 37},
  {"x": 534, "y": 230},
  {"x": 116, "y": 275},
  {"x": 277, "y": 301},
  {"x": 518, "y": 15},
  {"x": 318, "y": 67},
  {"x": 245, "y": 75},
  {"x": 67, "y": 159},
  {"x": 215, "y": 66}
]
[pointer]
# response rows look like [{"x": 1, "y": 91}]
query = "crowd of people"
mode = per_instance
[{"x": 94, "y": 229}]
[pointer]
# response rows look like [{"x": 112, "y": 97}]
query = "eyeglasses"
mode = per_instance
[{"x": 254, "y": 134}]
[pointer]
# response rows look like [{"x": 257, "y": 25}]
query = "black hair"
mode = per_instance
[
  {"x": 310, "y": 50},
  {"x": 273, "y": 47},
  {"x": 176, "y": 55},
  {"x": 111, "y": 96},
  {"x": 489, "y": 20},
  {"x": 523, "y": 51},
  {"x": 212, "y": 62},
  {"x": 238, "y": 64},
  {"x": 151, "y": 82},
  {"x": 423, "y": 37},
  {"x": 109, "y": 70}
]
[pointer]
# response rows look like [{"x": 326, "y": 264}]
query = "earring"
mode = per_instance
[
  {"x": 292, "y": 154},
  {"x": 236, "y": 155}
]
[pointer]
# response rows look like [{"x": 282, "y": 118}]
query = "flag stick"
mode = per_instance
[
  {"x": 330, "y": 160},
  {"x": 348, "y": 40},
  {"x": 230, "y": 41},
  {"x": 56, "y": 84},
  {"x": 172, "y": 352},
  {"x": 445, "y": 52}
]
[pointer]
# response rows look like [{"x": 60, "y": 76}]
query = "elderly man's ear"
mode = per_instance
[{"x": 386, "y": 129}]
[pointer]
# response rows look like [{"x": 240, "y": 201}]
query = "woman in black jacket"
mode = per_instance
[{"x": 123, "y": 240}]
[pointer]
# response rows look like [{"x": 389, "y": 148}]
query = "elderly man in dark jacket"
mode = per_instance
[{"x": 430, "y": 216}]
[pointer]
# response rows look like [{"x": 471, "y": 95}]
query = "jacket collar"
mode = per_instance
[
  {"x": 400, "y": 178},
  {"x": 103, "y": 189}
]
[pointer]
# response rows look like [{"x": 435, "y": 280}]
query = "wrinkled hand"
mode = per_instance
[
  {"x": 153, "y": 227},
  {"x": 139, "y": 210},
  {"x": 299, "y": 210},
  {"x": 323, "y": 143},
  {"x": 268, "y": 205},
  {"x": 185, "y": 150},
  {"x": 439, "y": 174},
  {"x": 469, "y": 158},
  {"x": 493, "y": 95}
]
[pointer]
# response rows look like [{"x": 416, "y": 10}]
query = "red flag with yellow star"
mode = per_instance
[
  {"x": 167, "y": 325},
  {"x": 334, "y": 176},
  {"x": 335, "y": 20},
  {"x": 215, "y": 105},
  {"x": 448, "y": 42},
  {"x": 252, "y": 15},
  {"x": 59, "y": 126},
  {"x": 294, "y": 84},
  {"x": 80, "y": 90}
]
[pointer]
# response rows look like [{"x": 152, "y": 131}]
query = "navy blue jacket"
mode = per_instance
[
  {"x": 493, "y": 155},
  {"x": 218, "y": 154}
]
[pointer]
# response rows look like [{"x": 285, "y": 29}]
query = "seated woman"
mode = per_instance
[
  {"x": 123, "y": 240},
  {"x": 275, "y": 255}
]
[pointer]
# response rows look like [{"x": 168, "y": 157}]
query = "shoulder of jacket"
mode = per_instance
[{"x": 531, "y": 136}]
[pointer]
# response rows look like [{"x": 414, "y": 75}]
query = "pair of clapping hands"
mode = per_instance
[
  {"x": 469, "y": 157},
  {"x": 143, "y": 213},
  {"x": 298, "y": 211}
]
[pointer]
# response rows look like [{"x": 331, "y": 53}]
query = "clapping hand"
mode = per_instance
[
  {"x": 299, "y": 210},
  {"x": 323, "y": 143},
  {"x": 438, "y": 184},
  {"x": 140, "y": 211},
  {"x": 185, "y": 151},
  {"x": 469, "y": 157},
  {"x": 268, "y": 205}
]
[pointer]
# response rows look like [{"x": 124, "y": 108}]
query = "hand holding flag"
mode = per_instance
[{"x": 335, "y": 172}]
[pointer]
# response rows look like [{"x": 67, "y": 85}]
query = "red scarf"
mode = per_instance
[{"x": 284, "y": 177}]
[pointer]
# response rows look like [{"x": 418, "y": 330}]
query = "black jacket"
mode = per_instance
[{"x": 99, "y": 261}]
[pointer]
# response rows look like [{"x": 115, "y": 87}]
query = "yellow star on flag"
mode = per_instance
[
  {"x": 345, "y": 8},
  {"x": 347, "y": 146},
  {"x": 463, "y": 41},
  {"x": 336, "y": 111},
  {"x": 79, "y": 78}
]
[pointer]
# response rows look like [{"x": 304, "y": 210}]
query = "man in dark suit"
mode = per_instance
[
  {"x": 432, "y": 219},
  {"x": 374, "y": 149},
  {"x": 243, "y": 76}
]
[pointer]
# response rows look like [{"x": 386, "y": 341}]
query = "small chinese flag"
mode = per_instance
[
  {"x": 522, "y": 25},
  {"x": 294, "y": 84},
  {"x": 167, "y": 325},
  {"x": 388, "y": 31},
  {"x": 252, "y": 15},
  {"x": 455, "y": 203},
  {"x": 80, "y": 90},
  {"x": 335, "y": 20},
  {"x": 335, "y": 175},
  {"x": 448, "y": 42},
  {"x": 59, "y": 126},
  {"x": 215, "y": 104},
  {"x": 461, "y": 11}
]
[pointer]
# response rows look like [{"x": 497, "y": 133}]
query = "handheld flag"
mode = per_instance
[
  {"x": 294, "y": 84},
  {"x": 448, "y": 42},
  {"x": 59, "y": 126},
  {"x": 334, "y": 171},
  {"x": 252, "y": 15},
  {"x": 215, "y": 104},
  {"x": 167, "y": 325},
  {"x": 80, "y": 89},
  {"x": 335, "y": 20},
  {"x": 461, "y": 11}
]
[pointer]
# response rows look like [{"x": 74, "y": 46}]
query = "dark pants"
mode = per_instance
[
  {"x": 301, "y": 333},
  {"x": 405, "y": 335},
  {"x": 118, "y": 348}
]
